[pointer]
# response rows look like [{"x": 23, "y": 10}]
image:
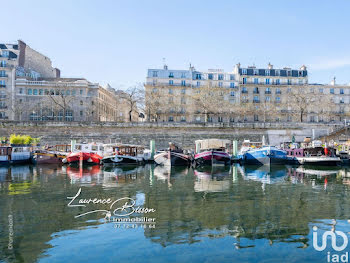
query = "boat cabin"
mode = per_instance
[
  {"x": 213, "y": 144},
  {"x": 14, "y": 153},
  {"x": 123, "y": 149},
  {"x": 60, "y": 148},
  {"x": 88, "y": 148}
]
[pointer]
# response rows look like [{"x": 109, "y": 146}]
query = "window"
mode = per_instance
[
  {"x": 171, "y": 118},
  {"x": 232, "y": 85},
  {"x": 220, "y": 119},
  {"x": 81, "y": 102},
  {"x": 30, "y": 92},
  {"x": 267, "y": 99},
  {"x": 289, "y": 90},
  {"x": 289, "y": 82},
  {"x": 183, "y": 91},
  {"x": 301, "y": 82},
  {"x": 183, "y": 100},
  {"x": 171, "y": 74},
  {"x": 289, "y": 73},
  {"x": 244, "y": 71},
  {"x": 267, "y": 81},
  {"x": 278, "y": 91},
  {"x": 210, "y": 76},
  {"x": 256, "y": 117},
  {"x": 81, "y": 113},
  {"x": 256, "y": 90},
  {"x": 220, "y": 77},
  {"x": 20, "y": 91},
  {"x": 183, "y": 75},
  {"x": 170, "y": 91},
  {"x": 341, "y": 100},
  {"x": 154, "y": 90},
  {"x": 210, "y": 119},
  {"x": 198, "y": 118},
  {"x": 256, "y": 81},
  {"x": 183, "y": 119},
  {"x": 332, "y": 90},
  {"x": 155, "y": 74},
  {"x": 198, "y": 76},
  {"x": 2, "y": 83},
  {"x": 81, "y": 92},
  {"x": 256, "y": 72},
  {"x": 232, "y": 93},
  {"x": 278, "y": 99},
  {"x": 244, "y": 90},
  {"x": 341, "y": 91},
  {"x": 35, "y": 92},
  {"x": 268, "y": 90},
  {"x": 232, "y": 119},
  {"x": 320, "y": 90},
  {"x": 5, "y": 53},
  {"x": 277, "y": 72},
  {"x": 2, "y": 73},
  {"x": 3, "y": 63},
  {"x": 267, "y": 72},
  {"x": 232, "y": 77},
  {"x": 183, "y": 82},
  {"x": 244, "y": 80},
  {"x": 171, "y": 82},
  {"x": 256, "y": 99},
  {"x": 277, "y": 81},
  {"x": 198, "y": 83},
  {"x": 41, "y": 92},
  {"x": 68, "y": 92},
  {"x": 220, "y": 84},
  {"x": 73, "y": 92}
]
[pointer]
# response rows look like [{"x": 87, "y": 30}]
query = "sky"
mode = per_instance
[{"x": 116, "y": 42}]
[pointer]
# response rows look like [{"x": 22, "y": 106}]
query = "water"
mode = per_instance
[{"x": 234, "y": 214}]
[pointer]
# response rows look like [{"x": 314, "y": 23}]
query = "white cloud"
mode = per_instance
[{"x": 325, "y": 64}]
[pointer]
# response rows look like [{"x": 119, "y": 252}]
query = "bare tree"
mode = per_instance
[
  {"x": 154, "y": 104},
  {"x": 61, "y": 100},
  {"x": 210, "y": 100},
  {"x": 134, "y": 98},
  {"x": 303, "y": 101}
]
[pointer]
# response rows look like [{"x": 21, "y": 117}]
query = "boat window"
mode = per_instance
[
  {"x": 3, "y": 151},
  {"x": 101, "y": 148},
  {"x": 94, "y": 148},
  {"x": 78, "y": 147}
]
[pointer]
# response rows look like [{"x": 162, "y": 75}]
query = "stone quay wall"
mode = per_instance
[{"x": 183, "y": 134}]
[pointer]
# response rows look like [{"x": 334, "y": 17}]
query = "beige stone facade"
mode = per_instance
[
  {"x": 243, "y": 95},
  {"x": 63, "y": 99}
]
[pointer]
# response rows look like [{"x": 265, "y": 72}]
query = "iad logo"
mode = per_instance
[
  {"x": 332, "y": 257},
  {"x": 333, "y": 238}
]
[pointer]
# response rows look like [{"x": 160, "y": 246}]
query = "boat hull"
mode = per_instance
[
  {"x": 209, "y": 158},
  {"x": 88, "y": 158},
  {"x": 318, "y": 160},
  {"x": 122, "y": 160},
  {"x": 48, "y": 158},
  {"x": 264, "y": 156},
  {"x": 172, "y": 159}
]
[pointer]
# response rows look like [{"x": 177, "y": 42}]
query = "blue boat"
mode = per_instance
[{"x": 265, "y": 155}]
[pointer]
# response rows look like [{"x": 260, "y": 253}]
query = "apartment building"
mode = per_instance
[{"x": 246, "y": 94}]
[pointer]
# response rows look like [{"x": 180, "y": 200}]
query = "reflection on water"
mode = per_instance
[{"x": 225, "y": 214}]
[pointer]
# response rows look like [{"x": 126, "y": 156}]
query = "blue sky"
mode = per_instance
[{"x": 116, "y": 41}]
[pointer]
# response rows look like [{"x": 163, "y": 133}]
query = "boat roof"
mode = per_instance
[
  {"x": 123, "y": 145},
  {"x": 212, "y": 143}
]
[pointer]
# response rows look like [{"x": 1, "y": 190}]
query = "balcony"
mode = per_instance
[
  {"x": 2, "y": 86},
  {"x": 4, "y": 117},
  {"x": 267, "y": 92},
  {"x": 2, "y": 96},
  {"x": 256, "y": 92},
  {"x": 3, "y": 107},
  {"x": 245, "y": 91},
  {"x": 256, "y": 101},
  {"x": 4, "y": 76}
]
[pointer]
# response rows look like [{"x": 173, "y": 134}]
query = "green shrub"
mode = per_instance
[{"x": 22, "y": 139}]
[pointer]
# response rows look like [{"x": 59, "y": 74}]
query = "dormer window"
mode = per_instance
[
  {"x": 244, "y": 71},
  {"x": 155, "y": 74},
  {"x": 277, "y": 72},
  {"x": 267, "y": 72},
  {"x": 183, "y": 75},
  {"x": 171, "y": 74},
  {"x": 220, "y": 77},
  {"x": 289, "y": 73},
  {"x": 210, "y": 76},
  {"x": 256, "y": 72}
]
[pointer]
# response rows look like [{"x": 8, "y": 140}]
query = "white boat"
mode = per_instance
[
  {"x": 15, "y": 154},
  {"x": 121, "y": 154}
]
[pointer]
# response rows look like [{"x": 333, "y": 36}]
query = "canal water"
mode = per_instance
[{"x": 158, "y": 214}]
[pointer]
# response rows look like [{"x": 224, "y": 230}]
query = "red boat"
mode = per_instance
[
  {"x": 89, "y": 153},
  {"x": 212, "y": 152}
]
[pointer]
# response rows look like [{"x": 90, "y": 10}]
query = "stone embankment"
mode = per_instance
[{"x": 183, "y": 134}]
